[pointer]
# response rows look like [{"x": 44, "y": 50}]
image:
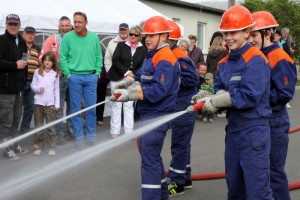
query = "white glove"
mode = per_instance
[
  {"x": 219, "y": 100},
  {"x": 201, "y": 94},
  {"x": 132, "y": 93},
  {"x": 208, "y": 106},
  {"x": 125, "y": 83}
]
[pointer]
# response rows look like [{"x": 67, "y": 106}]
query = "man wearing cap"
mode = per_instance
[
  {"x": 13, "y": 71},
  {"x": 122, "y": 36},
  {"x": 33, "y": 63},
  {"x": 52, "y": 43}
]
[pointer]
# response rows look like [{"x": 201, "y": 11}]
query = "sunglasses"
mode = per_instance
[{"x": 135, "y": 35}]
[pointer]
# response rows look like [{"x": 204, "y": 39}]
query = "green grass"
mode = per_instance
[{"x": 298, "y": 82}]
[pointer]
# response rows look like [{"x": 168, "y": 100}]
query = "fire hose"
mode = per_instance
[{"x": 221, "y": 175}]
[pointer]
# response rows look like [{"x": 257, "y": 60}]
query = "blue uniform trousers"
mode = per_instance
[
  {"x": 247, "y": 163},
  {"x": 182, "y": 131},
  {"x": 154, "y": 182},
  {"x": 279, "y": 147}
]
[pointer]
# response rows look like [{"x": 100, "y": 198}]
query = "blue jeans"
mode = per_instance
[
  {"x": 28, "y": 106},
  {"x": 63, "y": 84},
  {"x": 83, "y": 85}
]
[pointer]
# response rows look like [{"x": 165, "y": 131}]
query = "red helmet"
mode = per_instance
[
  {"x": 236, "y": 18},
  {"x": 263, "y": 20},
  {"x": 176, "y": 33},
  {"x": 156, "y": 24}
]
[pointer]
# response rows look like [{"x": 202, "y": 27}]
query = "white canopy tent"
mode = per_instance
[{"x": 103, "y": 16}]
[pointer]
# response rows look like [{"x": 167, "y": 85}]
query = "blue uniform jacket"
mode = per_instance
[
  {"x": 245, "y": 74},
  {"x": 159, "y": 77},
  {"x": 283, "y": 77},
  {"x": 188, "y": 76}
]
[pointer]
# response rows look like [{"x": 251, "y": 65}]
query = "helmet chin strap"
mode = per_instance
[
  {"x": 262, "y": 33},
  {"x": 158, "y": 40}
]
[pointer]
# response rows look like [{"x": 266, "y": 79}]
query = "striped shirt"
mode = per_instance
[{"x": 33, "y": 61}]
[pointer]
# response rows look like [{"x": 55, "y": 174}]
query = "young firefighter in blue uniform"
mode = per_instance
[
  {"x": 242, "y": 84},
  {"x": 183, "y": 126},
  {"x": 283, "y": 82},
  {"x": 157, "y": 92}
]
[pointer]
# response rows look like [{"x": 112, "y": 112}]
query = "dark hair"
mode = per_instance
[
  {"x": 64, "y": 18},
  {"x": 81, "y": 14},
  {"x": 52, "y": 57},
  {"x": 192, "y": 37},
  {"x": 201, "y": 63},
  {"x": 278, "y": 32}
]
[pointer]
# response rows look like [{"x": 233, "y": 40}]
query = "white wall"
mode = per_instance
[{"x": 189, "y": 19}]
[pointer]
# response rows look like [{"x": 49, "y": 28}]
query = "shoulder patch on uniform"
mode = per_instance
[
  {"x": 286, "y": 81},
  {"x": 183, "y": 66},
  {"x": 162, "y": 78}
]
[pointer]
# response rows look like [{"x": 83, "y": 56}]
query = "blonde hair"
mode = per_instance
[
  {"x": 216, "y": 44},
  {"x": 136, "y": 29}
]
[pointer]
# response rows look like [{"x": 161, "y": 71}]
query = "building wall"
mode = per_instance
[{"x": 189, "y": 19}]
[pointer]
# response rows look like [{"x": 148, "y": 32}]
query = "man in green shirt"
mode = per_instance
[{"x": 81, "y": 62}]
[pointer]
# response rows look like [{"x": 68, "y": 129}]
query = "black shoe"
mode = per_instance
[
  {"x": 188, "y": 184},
  {"x": 17, "y": 149},
  {"x": 8, "y": 153},
  {"x": 175, "y": 190}
]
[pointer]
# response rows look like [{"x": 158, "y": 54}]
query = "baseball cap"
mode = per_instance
[
  {"x": 13, "y": 18},
  {"x": 208, "y": 76},
  {"x": 29, "y": 29},
  {"x": 123, "y": 25}
]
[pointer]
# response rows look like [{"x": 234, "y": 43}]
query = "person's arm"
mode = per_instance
[
  {"x": 50, "y": 44},
  {"x": 99, "y": 58},
  {"x": 34, "y": 83},
  {"x": 108, "y": 56},
  {"x": 117, "y": 62},
  {"x": 5, "y": 64},
  {"x": 56, "y": 93},
  {"x": 283, "y": 81},
  {"x": 64, "y": 57}
]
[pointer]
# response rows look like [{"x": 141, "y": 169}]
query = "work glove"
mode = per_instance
[
  {"x": 214, "y": 102},
  {"x": 201, "y": 94},
  {"x": 125, "y": 83},
  {"x": 134, "y": 92}
]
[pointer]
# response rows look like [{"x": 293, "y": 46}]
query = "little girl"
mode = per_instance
[{"x": 45, "y": 85}]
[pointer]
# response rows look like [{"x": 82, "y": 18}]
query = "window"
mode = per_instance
[{"x": 200, "y": 35}]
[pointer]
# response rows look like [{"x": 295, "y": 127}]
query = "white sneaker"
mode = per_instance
[
  {"x": 51, "y": 152},
  {"x": 37, "y": 152},
  {"x": 204, "y": 120},
  {"x": 222, "y": 114},
  {"x": 288, "y": 106}
]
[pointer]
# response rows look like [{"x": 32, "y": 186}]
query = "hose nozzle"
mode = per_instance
[
  {"x": 195, "y": 107},
  {"x": 115, "y": 97}
]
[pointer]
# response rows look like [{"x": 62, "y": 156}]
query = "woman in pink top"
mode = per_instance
[{"x": 45, "y": 85}]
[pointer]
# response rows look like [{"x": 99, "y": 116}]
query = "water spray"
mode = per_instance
[
  {"x": 16, "y": 139},
  {"x": 25, "y": 180}
]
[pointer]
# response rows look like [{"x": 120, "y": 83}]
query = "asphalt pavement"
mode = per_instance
[{"x": 113, "y": 173}]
